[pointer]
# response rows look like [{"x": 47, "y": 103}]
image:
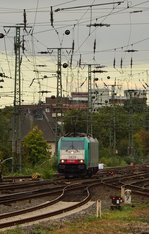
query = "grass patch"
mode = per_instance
[{"x": 111, "y": 222}]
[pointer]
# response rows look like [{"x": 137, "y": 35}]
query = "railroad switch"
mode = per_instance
[{"x": 116, "y": 202}]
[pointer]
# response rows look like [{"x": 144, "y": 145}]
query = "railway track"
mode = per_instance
[
  {"x": 29, "y": 184},
  {"x": 11, "y": 198},
  {"x": 129, "y": 182},
  {"x": 11, "y": 219},
  {"x": 48, "y": 209}
]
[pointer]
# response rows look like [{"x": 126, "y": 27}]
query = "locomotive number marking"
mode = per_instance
[{"x": 72, "y": 157}]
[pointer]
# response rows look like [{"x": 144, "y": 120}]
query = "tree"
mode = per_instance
[
  {"x": 141, "y": 140},
  {"x": 36, "y": 149},
  {"x": 5, "y": 146},
  {"x": 75, "y": 121}
]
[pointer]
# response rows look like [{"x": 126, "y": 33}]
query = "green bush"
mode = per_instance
[
  {"x": 46, "y": 169},
  {"x": 113, "y": 161}
]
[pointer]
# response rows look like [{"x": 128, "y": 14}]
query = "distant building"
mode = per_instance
[
  {"x": 68, "y": 103},
  {"x": 135, "y": 93},
  {"x": 105, "y": 97},
  {"x": 37, "y": 115},
  {"x": 136, "y": 99},
  {"x": 79, "y": 97},
  {"x": 100, "y": 98}
]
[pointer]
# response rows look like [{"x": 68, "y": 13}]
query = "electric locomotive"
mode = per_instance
[{"x": 78, "y": 155}]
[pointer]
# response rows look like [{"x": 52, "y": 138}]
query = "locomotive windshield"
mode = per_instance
[{"x": 77, "y": 145}]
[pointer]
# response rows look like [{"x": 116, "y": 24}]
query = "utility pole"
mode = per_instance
[
  {"x": 89, "y": 124},
  {"x": 59, "y": 101},
  {"x": 90, "y": 106},
  {"x": 130, "y": 137},
  {"x": 16, "y": 141},
  {"x": 16, "y": 123},
  {"x": 114, "y": 119},
  {"x": 113, "y": 137}
]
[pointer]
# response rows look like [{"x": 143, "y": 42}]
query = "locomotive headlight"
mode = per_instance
[
  {"x": 81, "y": 161},
  {"x": 72, "y": 152},
  {"x": 62, "y": 161}
]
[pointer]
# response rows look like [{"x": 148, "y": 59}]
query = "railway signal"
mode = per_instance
[{"x": 116, "y": 202}]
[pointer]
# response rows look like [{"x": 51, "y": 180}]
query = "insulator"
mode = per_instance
[
  {"x": 73, "y": 45},
  {"x": 43, "y": 52},
  {"x": 80, "y": 61},
  {"x": 94, "y": 46},
  {"x": 131, "y": 50},
  {"x": 67, "y": 32},
  {"x": 25, "y": 21},
  {"x": 114, "y": 62},
  {"x": 51, "y": 15},
  {"x": 131, "y": 62},
  {"x": 95, "y": 79},
  {"x": 146, "y": 84},
  {"x": 71, "y": 60},
  {"x": 121, "y": 63},
  {"x": 23, "y": 45},
  {"x": 98, "y": 71},
  {"x": 2, "y": 74}
]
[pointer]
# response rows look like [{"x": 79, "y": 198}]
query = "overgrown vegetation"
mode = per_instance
[
  {"x": 123, "y": 134},
  {"x": 45, "y": 170},
  {"x": 35, "y": 149},
  {"x": 37, "y": 155}
]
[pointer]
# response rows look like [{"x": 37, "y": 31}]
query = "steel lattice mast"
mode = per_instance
[
  {"x": 16, "y": 135},
  {"x": 16, "y": 122},
  {"x": 90, "y": 106},
  {"x": 59, "y": 101}
]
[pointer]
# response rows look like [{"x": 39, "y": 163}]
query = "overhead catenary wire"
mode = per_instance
[
  {"x": 95, "y": 29},
  {"x": 91, "y": 5},
  {"x": 35, "y": 17},
  {"x": 87, "y": 52}
]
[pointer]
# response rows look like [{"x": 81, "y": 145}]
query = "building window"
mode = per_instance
[
  {"x": 47, "y": 110},
  {"x": 38, "y": 115}
]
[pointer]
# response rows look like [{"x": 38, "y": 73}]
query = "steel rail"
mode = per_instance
[
  {"x": 29, "y": 195},
  {"x": 27, "y": 210},
  {"x": 134, "y": 191},
  {"x": 18, "y": 185},
  {"x": 48, "y": 214},
  {"x": 4, "y": 199}
]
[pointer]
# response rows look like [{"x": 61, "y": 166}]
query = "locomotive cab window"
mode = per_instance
[{"x": 66, "y": 145}]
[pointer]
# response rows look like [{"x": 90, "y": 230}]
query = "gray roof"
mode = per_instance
[{"x": 36, "y": 116}]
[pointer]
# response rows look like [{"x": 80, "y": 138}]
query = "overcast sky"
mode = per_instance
[{"x": 121, "y": 28}]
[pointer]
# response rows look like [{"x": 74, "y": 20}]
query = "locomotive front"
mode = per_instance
[{"x": 71, "y": 156}]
